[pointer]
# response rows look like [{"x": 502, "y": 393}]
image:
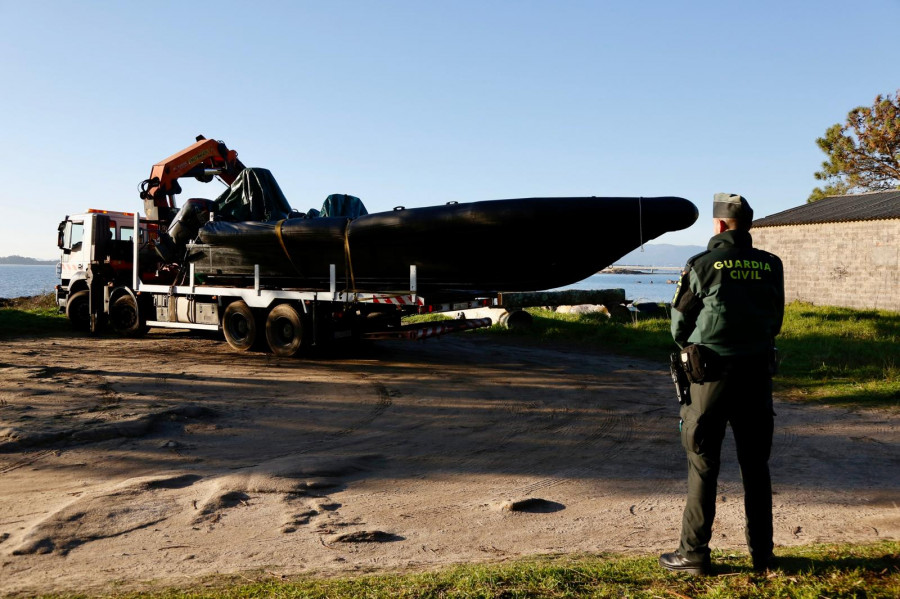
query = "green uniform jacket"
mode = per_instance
[{"x": 730, "y": 298}]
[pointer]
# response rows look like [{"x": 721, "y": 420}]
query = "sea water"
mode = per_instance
[
  {"x": 26, "y": 280},
  {"x": 657, "y": 287}
]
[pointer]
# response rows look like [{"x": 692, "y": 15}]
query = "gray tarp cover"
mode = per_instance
[
  {"x": 254, "y": 196},
  {"x": 339, "y": 204}
]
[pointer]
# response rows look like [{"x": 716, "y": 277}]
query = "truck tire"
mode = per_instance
[
  {"x": 125, "y": 317},
  {"x": 284, "y": 330},
  {"x": 239, "y": 326},
  {"x": 78, "y": 310}
]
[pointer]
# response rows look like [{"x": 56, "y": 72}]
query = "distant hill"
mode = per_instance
[
  {"x": 21, "y": 260},
  {"x": 660, "y": 254}
]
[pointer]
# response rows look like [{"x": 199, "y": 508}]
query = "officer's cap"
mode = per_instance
[{"x": 730, "y": 205}]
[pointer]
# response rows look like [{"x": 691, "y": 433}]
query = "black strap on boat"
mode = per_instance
[
  {"x": 641, "y": 222},
  {"x": 283, "y": 246}
]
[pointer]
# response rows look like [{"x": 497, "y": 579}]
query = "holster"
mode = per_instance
[
  {"x": 682, "y": 385},
  {"x": 701, "y": 364}
]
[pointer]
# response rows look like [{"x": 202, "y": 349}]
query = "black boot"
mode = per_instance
[
  {"x": 763, "y": 564},
  {"x": 678, "y": 563}
]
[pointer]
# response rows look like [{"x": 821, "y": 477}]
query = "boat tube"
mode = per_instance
[{"x": 523, "y": 244}]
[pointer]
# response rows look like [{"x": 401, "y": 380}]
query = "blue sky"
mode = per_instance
[{"x": 420, "y": 103}]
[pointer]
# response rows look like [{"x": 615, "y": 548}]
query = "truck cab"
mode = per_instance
[{"x": 100, "y": 237}]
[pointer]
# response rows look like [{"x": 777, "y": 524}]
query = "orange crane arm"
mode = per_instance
[{"x": 203, "y": 160}]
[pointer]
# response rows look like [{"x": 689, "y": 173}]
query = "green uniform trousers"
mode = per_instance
[{"x": 741, "y": 396}]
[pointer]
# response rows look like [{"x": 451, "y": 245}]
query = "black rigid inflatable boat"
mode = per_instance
[{"x": 499, "y": 245}]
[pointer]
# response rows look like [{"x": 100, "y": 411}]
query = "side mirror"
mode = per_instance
[{"x": 61, "y": 236}]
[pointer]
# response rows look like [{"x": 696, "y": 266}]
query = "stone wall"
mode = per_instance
[{"x": 853, "y": 265}]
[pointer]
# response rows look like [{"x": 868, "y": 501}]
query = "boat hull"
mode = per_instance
[{"x": 501, "y": 245}]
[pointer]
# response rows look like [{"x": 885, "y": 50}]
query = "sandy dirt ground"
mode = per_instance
[{"x": 158, "y": 461}]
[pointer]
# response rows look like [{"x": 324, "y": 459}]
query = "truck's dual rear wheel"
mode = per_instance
[
  {"x": 239, "y": 326},
  {"x": 125, "y": 317},
  {"x": 283, "y": 330}
]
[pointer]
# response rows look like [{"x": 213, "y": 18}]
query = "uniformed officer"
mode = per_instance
[{"x": 729, "y": 303}]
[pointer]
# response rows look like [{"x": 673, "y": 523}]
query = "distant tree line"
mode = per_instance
[
  {"x": 21, "y": 260},
  {"x": 864, "y": 152}
]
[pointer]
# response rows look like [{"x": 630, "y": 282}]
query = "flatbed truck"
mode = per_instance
[{"x": 104, "y": 283}]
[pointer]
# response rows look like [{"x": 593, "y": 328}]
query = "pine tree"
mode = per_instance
[{"x": 863, "y": 153}]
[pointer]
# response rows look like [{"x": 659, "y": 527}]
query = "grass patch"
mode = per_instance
[
  {"x": 841, "y": 355},
  {"x": 30, "y": 315},
  {"x": 420, "y": 318},
  {"x": 830, "y": 355},
  {"x": 816, "y": 571}
]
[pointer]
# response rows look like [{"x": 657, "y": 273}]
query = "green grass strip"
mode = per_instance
[
  {"x": 833, "y": 571},
  {"x": 31, "y": 316}
]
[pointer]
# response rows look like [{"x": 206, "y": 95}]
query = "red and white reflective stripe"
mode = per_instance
[
  {"x": 430, "y": 332},
  {"x": 397, "y": 300}
]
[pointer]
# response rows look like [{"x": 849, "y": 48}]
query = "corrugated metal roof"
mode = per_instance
[{"x": 875, "y": 205}]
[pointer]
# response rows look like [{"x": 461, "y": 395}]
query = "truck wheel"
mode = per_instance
[
  {"x": 239, "y": 326},
  {"x": 78, "y": 310},
  {"x": 125, "y": 318},
  {"x": 284, "y": 330}
]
